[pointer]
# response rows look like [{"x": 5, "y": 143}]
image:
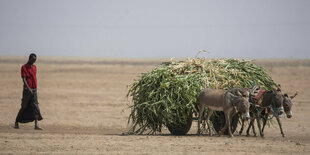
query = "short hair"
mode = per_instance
[{"x": 32, "y": 55}]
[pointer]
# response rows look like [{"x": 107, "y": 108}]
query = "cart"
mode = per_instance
[{"x": 217, "y": 120}]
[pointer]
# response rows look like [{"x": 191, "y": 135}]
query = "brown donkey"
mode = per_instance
[
  {"x": 270, "y": 99},
  {"x": 287, "y": 104},
  {"x": 222, "y": 100}
]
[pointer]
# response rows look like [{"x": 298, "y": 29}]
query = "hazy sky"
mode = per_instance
[{"x": 157, "y": 28}]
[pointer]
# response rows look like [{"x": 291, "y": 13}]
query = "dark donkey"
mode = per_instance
[
  {"x": 287, "y": 104},
  {"x": 270, "y": 99},
  {"x": 222, "y": 100}
]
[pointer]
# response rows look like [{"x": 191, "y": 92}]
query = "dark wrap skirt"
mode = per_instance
[{"x": 29, "y": 110}]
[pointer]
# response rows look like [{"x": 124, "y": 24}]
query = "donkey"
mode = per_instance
[
  {"x": 287, "y": 104},
  {"x": 271, "y": 99},
  {"x": 222, "y": 100}
]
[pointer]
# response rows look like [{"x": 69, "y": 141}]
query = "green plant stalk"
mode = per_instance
[{"x": 168, "y": 94}]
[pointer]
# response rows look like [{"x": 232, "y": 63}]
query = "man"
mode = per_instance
[{"x": 29, "y": 110}]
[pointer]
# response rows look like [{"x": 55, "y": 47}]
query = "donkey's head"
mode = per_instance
[
  {"x": 277, "y": 100},
  {"x": 287, "y": 104},
  {"x": 242, "y": 103}
]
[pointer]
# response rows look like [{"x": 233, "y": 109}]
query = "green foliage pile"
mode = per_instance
[{"x": 168, "y": 94}]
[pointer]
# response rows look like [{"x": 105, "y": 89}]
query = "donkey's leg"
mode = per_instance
[
  {"x": 226, "y": 123},
  {"x": 201, "y": 109},
  {"x": 210, "y": 112},
  {"x": 258, "y": 124},
  {"x": 250, "y": 125},
  {"x": 280, "y": 125},
  {"x": 264, "y": 122},
  {"x": 242, "y": 127},
  {"x": 229, "y": 126},
  {"x": 253, "y": 129}
]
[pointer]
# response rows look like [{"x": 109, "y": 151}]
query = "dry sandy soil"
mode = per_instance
[{"x": 85, "y": 111}]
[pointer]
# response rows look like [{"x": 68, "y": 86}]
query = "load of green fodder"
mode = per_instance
[{"x": 168, "y": 95}]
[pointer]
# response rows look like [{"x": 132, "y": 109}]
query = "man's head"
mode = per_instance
[{"x": 32, "y": 58}]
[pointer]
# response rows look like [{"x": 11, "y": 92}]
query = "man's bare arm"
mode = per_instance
[{"x": 25, "y": 82}]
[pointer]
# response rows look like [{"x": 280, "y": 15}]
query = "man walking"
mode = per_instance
[{"x": 29, "y": 110}]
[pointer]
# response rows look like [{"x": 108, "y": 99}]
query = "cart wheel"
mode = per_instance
[
  {"x": 180, "y": 129},
  {"x": 218, "y": 121}
]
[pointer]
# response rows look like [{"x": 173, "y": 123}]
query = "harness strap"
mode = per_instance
[{"x": 255, "y": 105}]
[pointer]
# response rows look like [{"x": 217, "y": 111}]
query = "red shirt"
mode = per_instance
[{"x": 30, "y": 74}]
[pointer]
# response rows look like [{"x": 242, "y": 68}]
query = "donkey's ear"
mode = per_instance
[
  {"x": 246, "y": 93},
  {"x": 274, "y": 89},
  {"x": 233, "y": 96},
  {"x": 279, "y": 87},
  {"x": 294, "y": 95},
  {"x": 239, "y": 94},
  {"x": 285, "y": 95}
]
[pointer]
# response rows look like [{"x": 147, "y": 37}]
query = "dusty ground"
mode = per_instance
[{"x": 85, "y": 111}]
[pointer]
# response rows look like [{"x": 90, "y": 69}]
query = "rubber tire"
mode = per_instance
[
  {"x": 218, "y": 122},
  {"x": 180, "y": 129}
]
